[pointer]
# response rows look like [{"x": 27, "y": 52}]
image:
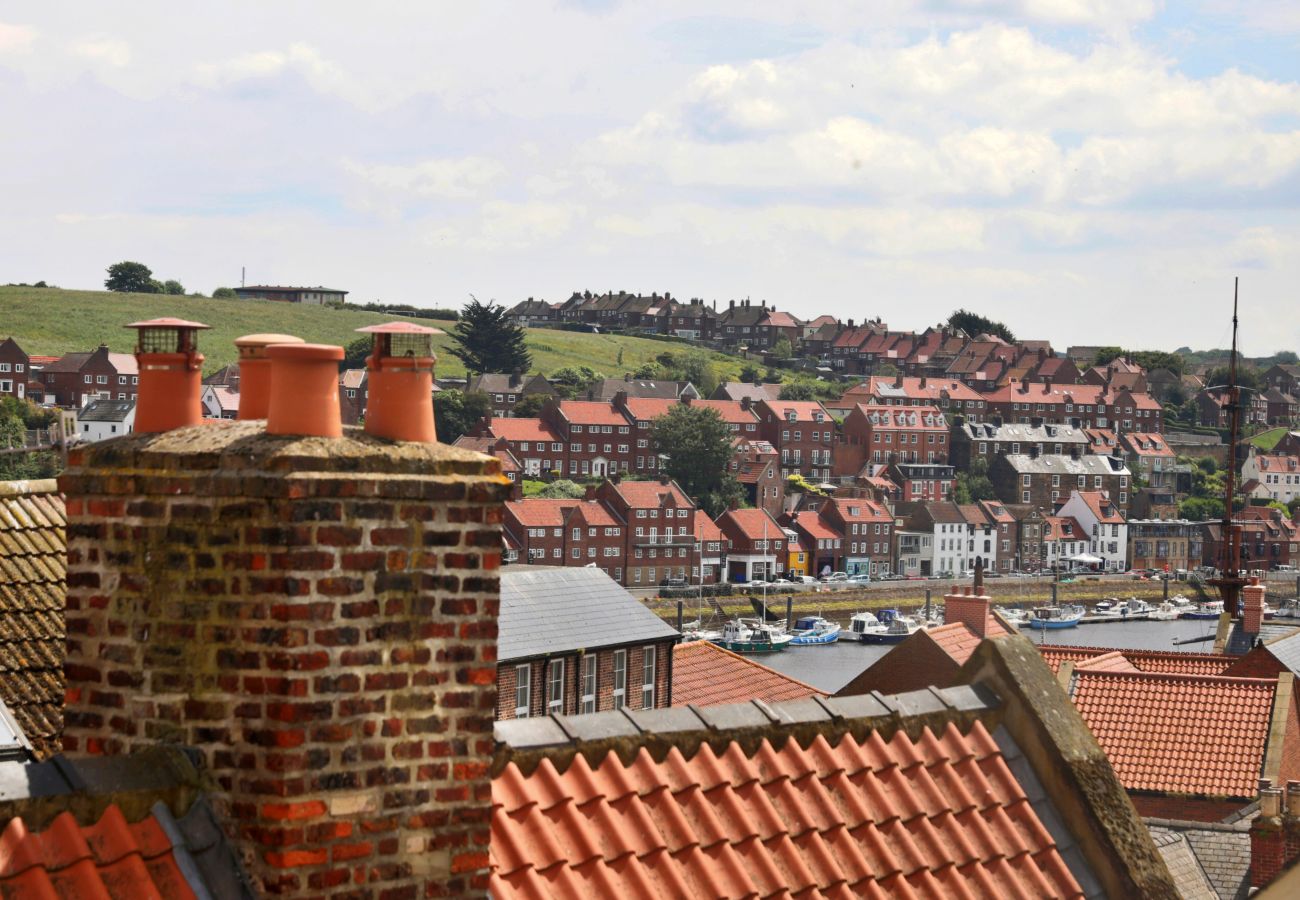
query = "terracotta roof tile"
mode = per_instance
[
  {"x": 648, "y": 494},
  {"x": 940, "y": 816},
  {"x": 33, "y": 563},
  {"x": 1159, "y": 661},
  {"x": 1181, "y": 734},
  {"x": 585, "y": 412},
  {"x": 705, "y": 674},
  {"x": 523, "y": 429},
  {"x": 540, "y": 511},
  {"x": 751, "y": 524}
]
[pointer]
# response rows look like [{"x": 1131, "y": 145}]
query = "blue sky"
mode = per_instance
[{"x": 1087, "y": 170}]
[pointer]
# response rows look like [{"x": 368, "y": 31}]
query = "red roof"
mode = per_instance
[
  {"x": 1114, "y": 661},
  {"x": 646, "y": 408},
  {"x": 523, "y": 430},
  {"x": 922, "y": 418},
  {"x": 1166, "y": 661},
  {"x": 803, "y": 410},
  {"x": 535, "y": 512},
  {"x": 1179, "y": 734},
  {"x": 815, "y": 526},
  {"x": 731, "y": 411},
  {"x": 705, "y": 674},
  {"x": 934, "y": 389},
  {"x": 1102, "y": 509},
  {"x": 651, "y": 494},
  {"x": 706, "y": 529},
  {"x": 108, "y": 859},
  {"x": 591, "y": 412},
  {"x": 36, "y": 360},
  {"x": 866, "y": 510},
  {"x": 751, "y": 524},
  {"x": 1055, "y": 654},
  {"x": 938, "y": 816}
]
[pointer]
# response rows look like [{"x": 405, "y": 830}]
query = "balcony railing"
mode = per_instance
[{"x": 663, "y": 540}]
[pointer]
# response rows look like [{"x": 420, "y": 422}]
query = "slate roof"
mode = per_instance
[
  {"x": 1240, "y": 642},
  {"x": 551, "y": 609},
  {"x": 1286, "y": 649},
  {"x": 1186, "y": 871},
  {"x": 1052, "y": 464},
  {"x": 953, "y": 811},
  {"x": 705, "y": 674},
  {"x": 1179, "y": 734},
  {"x": 1220, "y": 851},
  {"x": 110, "y": 410},
  {"x": 33, "y": 567},
  {"x": 739, "y": 390}
]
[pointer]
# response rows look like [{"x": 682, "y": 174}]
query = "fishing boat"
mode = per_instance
[
  {"x": 812, "y": 630},
  {"x": 1053, "y": 617},
  {"x": 861, "y": 622},
  {"x": 1179, "y": 602},
  {"x": 891, "y": 628},
  {"x": 695, "y": 631},
  {"x": 752, "y": 636},
  {"x": 1108, "y": 609},
  {"x": 1165, "y": 612},
  {"x": 1211, "y": 609}
]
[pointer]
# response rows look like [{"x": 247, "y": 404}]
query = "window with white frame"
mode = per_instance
[
  {"x": 589, "y": 665},
  {"x": 523, "y": 688},
  {"x": 555, "y": 686},
  {"x": 648, "y": 677},
  {"x": 620, "y": 676}
]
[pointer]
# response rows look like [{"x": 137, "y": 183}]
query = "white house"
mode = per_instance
[
  {"x": 1266, "y": 476},
  {"x": 219, "y": 402},
  {"x": 1103, "y": 525},
  {"x": 100, "y": 420}
]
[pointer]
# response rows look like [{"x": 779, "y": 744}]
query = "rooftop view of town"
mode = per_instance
[{"x": 936, "y": 535}]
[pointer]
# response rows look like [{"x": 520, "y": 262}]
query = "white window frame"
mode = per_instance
[
  {"x": 555, "y": 686},
  {"x": 590, "y": 667},
  {"x": 620, "y": 679},
  {"x": 523, "y": 689},
  {"x": 648, "y": 661}
]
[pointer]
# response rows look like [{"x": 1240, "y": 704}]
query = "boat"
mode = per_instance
[
  {"x": 752, "y": 636},
  {"x": 1133, "y": 608},
  {"x": 695, "y": 631},
  {"x": 1015, "y": 615},
  {"x": 811, "y": 630},
  {"x": 891, "y": 628},
  {"x": 1108, "y": 609},
  {"x": 1165, "y": 612},
  {"x": 1209, "y": 610},
  {"x": 1288, "y": 609},
  {"x": 862, "y": 621},
  {"x": 1053, "y": 617},
  {"x": 1178, "y": 601}
]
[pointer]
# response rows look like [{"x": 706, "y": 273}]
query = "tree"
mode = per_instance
[
  {"x": 130, "y": 277},
  {"x": 224, "y": 293},
  {"x": 974, "y": 324},
  {"x": 1107, "y": 355},
  {"x": 974, "y": 484},
  {"x": 530, "y": 405},
  {"x": 571, "y": 382},
  {"x": 692, "y": 366},
  {"x": 455, "y": 413},
  {"x": 1200, "y": 509},
  {"x": 1247, "y": 377},
  {"x": 172, "y": 286},
  {"x": 782, "y": 349},
  {"x": 697, "y": 444},
  {"x": 562, "y": 489},
  {"x": 355, "y": 353},
  {"x": 749, "y": 374},
  {"x": 798, "y": 391},
  {"x": 485, "y": 340}
]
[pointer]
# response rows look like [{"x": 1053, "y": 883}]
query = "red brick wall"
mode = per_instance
[
  {"x": 317, "y": 617},
  {"x": 915, "y": 667},
  {"x": 507, "y": 681},
  {"x": 1187, "y": 808}
]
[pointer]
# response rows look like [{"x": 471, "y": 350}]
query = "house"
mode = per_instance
[
  {"x": 1046, "y": 480},
  {"x": 506, "y": 390},
  {"x": 538, "y": 447},
  {"x": 1283, "y": 378},
  {"x": 942, "y": 525},
  {"x": 994, "y": 436},
  {"x": 500, "y": 448},
  {"x": 867, "y": 529},
  {"x": 742, "y": 391},
  {"x": 756, "y": 545},
  {"x": 573, "y": 533},
  {"x": 532, "y": 312},
  {"x": 597, "y": 438},
  {"x": 756, "y": 466},
  {"x": 951, "y": 397},
  {"x": 693, "y": 320},
  {"x": 104, "y": 419},
  {"x": 738, "y": 325},
  {"x": 824, "y": 545},
  {"x": 1064, "y": 539},
  {"x": 643, "y": 411},
  {"x": 1214, "y": 408},
  {"x": 1029, "y": 536},
  {"x": 317, "y": 296},
  {"x": 1093, "y": 405},
  {"x": 803, "y": 432},
  {"x": 660, "y": 523},
  {"x": 15, "y": 367},
  {"x": 572, "y": 641},
  {"x": 219, "y": 402},
  {"x": 798, "y": 559},
  {"x": 608, "y": 389},
  {"x": 1168, "y": 545},
  {"x": 74, "y": 379},
  {"x": 705, "y": 674},
  {"x": 922, "y": 481},
  {"x": 711, "y": 547},
  {"x": 879, "y": 434},
  {"x": 1103, "y": 523},
  {"x": 1276, "y": 477},
  {"x": 1150, "y": 458},
  {"x": 354, "y": 394}
]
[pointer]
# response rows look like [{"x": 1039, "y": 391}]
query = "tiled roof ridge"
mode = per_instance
[
  {"x": 561, "y": 739},
  {"x": 1238, "y": 827},
  {"x": 31, "y": 486},
  {"x": 758, "y": 665},
  {"x": 1180, "y": 677}
]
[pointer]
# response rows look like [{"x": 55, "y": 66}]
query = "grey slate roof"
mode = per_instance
[
  {"x": 1017, "y": 431},
  {"x": 1221, "y": 853},
  {"x": 106, "y": 411},
  {"x": 1240, "y": 643},
  {"x": 556, "y": 609},
  {"x": 1051, "y": 463},
  {"x": 1286, "y": 648}
]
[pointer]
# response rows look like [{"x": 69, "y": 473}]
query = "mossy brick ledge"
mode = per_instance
[{"x": 318, "y": 618}]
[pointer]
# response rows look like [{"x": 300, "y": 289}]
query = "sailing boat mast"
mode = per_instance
[{"x": 1230, "y": 581}]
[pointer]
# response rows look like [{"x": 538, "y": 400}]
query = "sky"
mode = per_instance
[{"x": 1088, "y": 171}]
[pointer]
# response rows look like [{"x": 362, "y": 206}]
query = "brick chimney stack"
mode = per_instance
[
  {"x": 1252, "y": 606},
  {"x": 970, "y": 606},
  {"x": 317, "y": 617},
  {"x": 1275, "y": 832}
]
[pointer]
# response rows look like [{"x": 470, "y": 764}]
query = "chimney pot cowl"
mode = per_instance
[{"x": 304, "y": 390}]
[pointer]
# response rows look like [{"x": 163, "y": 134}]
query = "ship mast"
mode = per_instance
[{"x": 1230, "y": 581}]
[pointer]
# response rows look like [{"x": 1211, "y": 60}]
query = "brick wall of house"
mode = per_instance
[
  {"x": 317, "y": 617},
  {"x": 507, "y": 680},
  {"x": 1185, "y": 808}
]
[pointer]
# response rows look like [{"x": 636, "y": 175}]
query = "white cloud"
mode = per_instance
[
  {"x": 461, "y": 178},
  {"x": 16, "y": 38},
  {"x": 109, "y": 51}
]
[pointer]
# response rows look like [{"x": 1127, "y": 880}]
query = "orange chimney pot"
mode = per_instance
[
  {"x": 171, "y": 374},
  {"x": 304, "y": 390},
  {"x": 399, "y": 382},
  {"x": 255, "y": 372}
]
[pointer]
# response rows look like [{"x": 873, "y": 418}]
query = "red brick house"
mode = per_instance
[
  {"x": 867, "y": 528},
  {"x": 823, "y": 543},
  {"x": 74, "y": 379},
  {"x": 567, "y": 533},
  {"x": 951, "y": 397},
  {"x": 597, "y": 437},
  {"x": 802, "y": 432},
  {"x": 756, "y": 466},
  {"x": 538, "y": 447},
  {"x": 878, "y": 435},
  {"x": 756, "y": 545},
  {"x": 15, "y": 367},
  {"x": 660, "y": 523}
]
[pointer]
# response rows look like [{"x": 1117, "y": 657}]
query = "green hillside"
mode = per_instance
[{"x": 51, "y": 321}]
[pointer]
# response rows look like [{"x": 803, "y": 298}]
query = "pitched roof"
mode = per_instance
[
  {"x": 1220, "y": 853},
  {"x": 958, "y": 640},
  {"x": 648, "y": 494},
  {"x": 645, "y": 409},
  {"x": 1179, "y": 734},
  {"x": 814, "y": 526},
  {"x": 591, "y": 412},
  {"x": 1098, "y": 503},
  {"x": 705, "y": 674},
  {"x": 803, "y": 410},
  {"x": 739, "y": 390},
  {"x": 752, "y": 524},
  {"x": 526, "y": 429},
  {"x": 533, "y": 512},
  {"x": 33, "y": 567},
  {"x": 731, "y": 411},
  {"x": 554, "y": 609},
  {"x": 106, "y": 411},
  {"x": 939, "y": 815},
  {"x": 1170, "y": 662}
]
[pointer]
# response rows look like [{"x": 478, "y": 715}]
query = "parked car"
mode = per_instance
[
  {"x": 782, "y": 582},
  {"x": 835, "y": 576},
  {"x": 675, "y": 581},
  {"x": 804, "y": 579},
  {"x": 860, "y": 578}
]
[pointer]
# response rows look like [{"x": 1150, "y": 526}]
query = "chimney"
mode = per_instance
[
  {"x": 305, "y": 390},
  {"x": 516, "y": 376},
  {"x": 923, "y": 381},
  {"x": 255, "y": 372},
  {"x": 1047, "y": 385},
  {"x": 898, "y": 380},
  {"x": 317, "y": 618},
  {"x": 745, "y": 403},
  {"x": 171, "y": 375},
  {"x": 1035, "y": 421},
  {"x": 970, "y": 606},
  {"x": 997, "y": 421},
  {"x": 664, "y": 479},
  {"x": 1275, "y": 832},
  {"x": 733, "y": 304},
  {"x": 589, "y": 493},
  {"x": 1024, "y": 387},
  {"x": 399, "y": 374},
  {"x": 1252, "y": 606}
]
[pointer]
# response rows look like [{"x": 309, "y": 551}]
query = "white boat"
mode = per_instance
[
  {"x": 1015, "y": 615},
  {"x": 890, "y": 628},
  {"x": 812, "y": 630},
  {"x": 861, "y": 622},
  {"x": 1209, "y": 610},
  {"x": 1053, "y": 617},
  {"x": 695, "y": 631},
  {"x": 1108, "y": 609},
  {"x": 752, "y": 636},
  {"x": 1165, "y": 612},
  {"x": 1135, "y": 607},
  {"x": 1179, "y": 601}
]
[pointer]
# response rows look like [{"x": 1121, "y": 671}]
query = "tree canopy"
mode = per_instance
[
  {"x": 562, "y": 489},
  {"x": 485, "y": 340},
  {"x": 224, "y": 293},
  {"x": 974, "y": 324},
  {"x": 974, "y": 484},
  {"x": 172, "y": 286},
  {"x": 131, "y": 277},
  {"x": 697, "y": 444},
  {"x": 455, "y": 413},
  {"x": 571, "y": 382}
]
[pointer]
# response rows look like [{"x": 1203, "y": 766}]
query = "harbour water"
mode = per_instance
[{"x": 831, "y": 667}]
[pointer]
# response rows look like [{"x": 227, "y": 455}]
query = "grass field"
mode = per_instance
[
  {"x": 1267, "y": 440},
  {"x": 51, "y": 321}
]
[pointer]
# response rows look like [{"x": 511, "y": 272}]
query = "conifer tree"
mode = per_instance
[{"x": 486, "y": 341}]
